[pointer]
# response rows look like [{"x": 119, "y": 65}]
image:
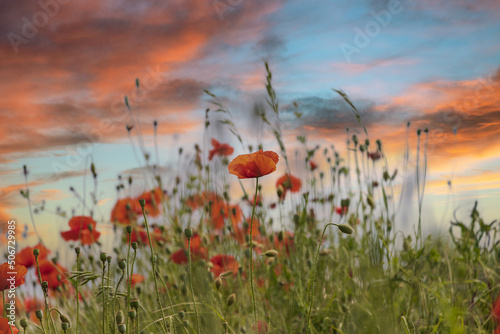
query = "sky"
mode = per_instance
[{"x": 66, "y": 67}]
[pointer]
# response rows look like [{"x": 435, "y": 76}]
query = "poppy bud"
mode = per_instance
[
  {"x": 122, "y": 264},
  {"x": 142, "y": 203},
  {"x": 77, "y": 250},
  {"x": 271, "y": 253},
  {"x": 108, "y": 259},
  {"x": 24, "y": 323},
  {"x": 226, "y": 273},
  {"x": 188, "y": 233},
  {"x": 103, "y": 256},
  {"x": 39, "y": 314},
  {"x": 36, "y": 252},
  {"x": 186, "y": 323},
  {"x": 279, "y": 191},
  {"x": 344, "y": 228},
  {"x": 419, "y": 132},
  {"x": 181, "y": 314},
  {"x": 231, "y": 299},
  {"x": 64, "y": 326},
  {"x": 135, "y": 245},
  {"x": 129, "y": 229},
  {"x": 218, "y": 283},
  {"x": 370, "y": 201}
]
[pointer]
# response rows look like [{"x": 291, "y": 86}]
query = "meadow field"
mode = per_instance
[{"x": 216, "y": 251}]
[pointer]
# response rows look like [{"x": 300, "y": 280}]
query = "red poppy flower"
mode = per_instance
[
  {"x": 341, "y": 210},
  {"x": 7, "y": 272},
  {"x": 199, "y": 200},
  {"x": 374, "y": 155},
  {"x": 221, "y": 210},
  {"x": 153, "y": 200},
  {"x": 140, "y": 235},
  {"x": 197, "y": 252},
  {"x": 496, "y": 309},
  {"x": 241, "y": 231},
  {"x": 122, "y": 212},
  {"x": 289, "y": 182},
  {"x": 136, "y": 279},
  {"x": 223, "y": 263},
  {"x": 26, "y": 258},
  {"x": 82, "y": 228},
  {"x": 253, "y": 165},
  {"x": 312, "y": 165},
  {"x": 219, "y": 149},
  {"x": 5, "y": 328},
  {"x": 53, "y": 273}
]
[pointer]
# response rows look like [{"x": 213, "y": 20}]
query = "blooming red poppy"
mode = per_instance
[
  {"x": 374, "y": 155},
  {"x": 7, "y": 273},
  {"x": 223, "y": 263},
  {"x": 312, "y": 165},
  {"x": 496, "y": 310},
  {"x": 140, "y": 234},
  {"x": 26, "y": 258},
  {"x": 136, "y": 279},
  {"x": 197, "y": 252},
  {"x": 253, "y": 165},
  {"x": 122, "y": 212},
  {"x": 219, "y": 149},
  {"x": 53, "y": 273},
  {"x": 241, "y": 231},
  {"x": 221, "y": 210},
  {"x": 82, "y": 228},
  {"x": 288, "y": 182},
  {"x": 341, "y": 210},
  {"x": 5, "y": 328},
  {"x": 153, "y": 200}
]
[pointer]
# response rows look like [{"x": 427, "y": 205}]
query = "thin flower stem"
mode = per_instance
[
  {"x": 190, "y": 272},
  {"x": 77, "y": 294},
  {"x": 254, "y": 306},
  {"x": 313, "y": 279},
  {"x": 128, "y": 278},
  {"x": 154, "y": 267},
  {"x": 103, "y": 300}
]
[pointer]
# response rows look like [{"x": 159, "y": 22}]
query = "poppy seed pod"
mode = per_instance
[
  {"x": 122, "y": 328},
  {"x": 119, "y": 317},
  {"x": 36, "y": 252},
  {"x": 181, "y": 314},
  {"x": 188, "y": 233},
  {"x": 370, "y": 201},
  {"x": 134, "y": 303},
  {"x": 135, "y": 245},
  {"x": 103, "y": 256},
  {"x": 39, "y": 314},
  {"x": 24, "y": 323},
  {"x": 64, "y": 326},
  {"x": 132, "y": 314},
  {"x": 231, "y": 299},
  {"x": 129, "y": 229},
  {"x": 142, "y": 203}
]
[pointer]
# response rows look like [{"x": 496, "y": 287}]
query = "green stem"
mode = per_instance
[
  {"x": 191, "y": 284},
  {"x": 103, "y": 300},
  {"x": 313, "y": 278},
  {"x": 77, "y": 296},
  {"x": 154, "y": 268},
  {"x": 254, "y": 306},
  {"x": 128, "y": 277}
]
